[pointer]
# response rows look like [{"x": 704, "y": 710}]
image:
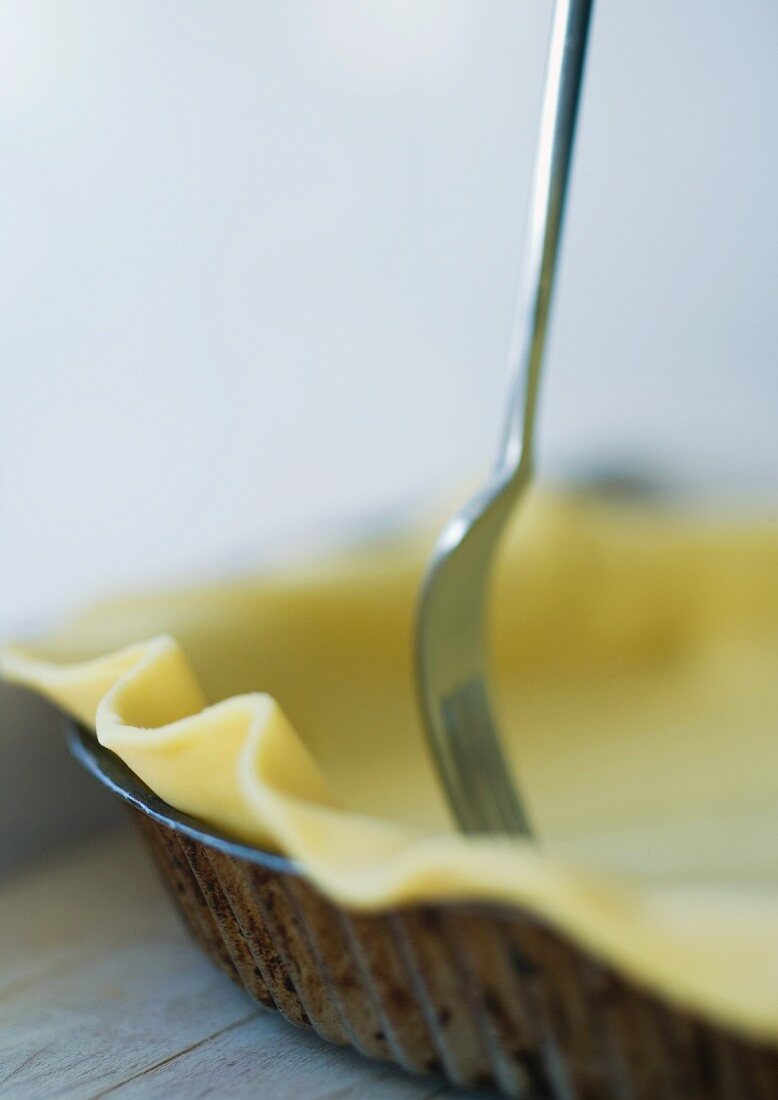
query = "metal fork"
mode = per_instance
[{"x": 451, "y": 642}]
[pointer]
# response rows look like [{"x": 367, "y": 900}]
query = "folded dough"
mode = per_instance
[{"x": 635, "y": 659}]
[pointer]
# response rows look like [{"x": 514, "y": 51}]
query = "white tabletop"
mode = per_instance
[{"x": 102, "y": 992}]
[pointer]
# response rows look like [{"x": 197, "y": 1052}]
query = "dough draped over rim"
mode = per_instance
[{"x": 635, "y": 655}]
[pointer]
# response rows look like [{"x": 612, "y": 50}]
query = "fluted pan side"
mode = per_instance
[{"x": 484, "y": 996}]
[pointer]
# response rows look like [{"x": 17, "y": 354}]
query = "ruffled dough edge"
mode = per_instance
[{"x": 240, "y": 767}]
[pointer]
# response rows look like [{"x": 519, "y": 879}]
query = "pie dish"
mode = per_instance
[{"x": 632, "y": 952}]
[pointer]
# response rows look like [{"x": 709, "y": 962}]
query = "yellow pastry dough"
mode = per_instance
[{"x": 636, "y": 655}]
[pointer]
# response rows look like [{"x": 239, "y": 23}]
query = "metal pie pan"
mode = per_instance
[{"x": 485, "y": 996}]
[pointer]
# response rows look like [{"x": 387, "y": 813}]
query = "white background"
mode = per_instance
[{"x": 258, "y": 263}]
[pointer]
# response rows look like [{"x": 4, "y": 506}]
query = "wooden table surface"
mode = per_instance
[{"x": 102, "y": 993}]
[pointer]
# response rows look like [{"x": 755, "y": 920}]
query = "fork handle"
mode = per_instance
[{"x": 564, "y": 76}]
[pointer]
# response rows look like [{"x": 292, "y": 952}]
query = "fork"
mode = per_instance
[{"x": 451, "y": 626}]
